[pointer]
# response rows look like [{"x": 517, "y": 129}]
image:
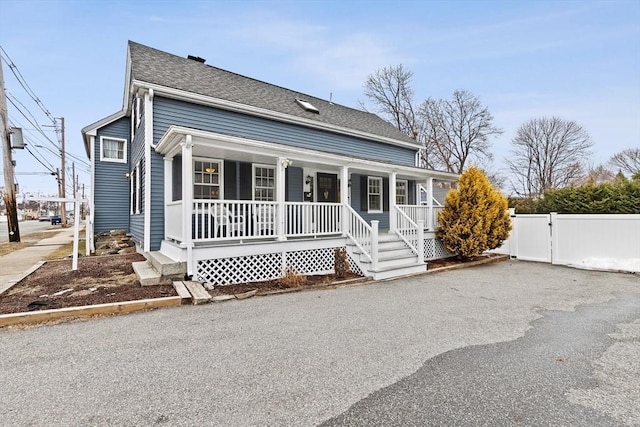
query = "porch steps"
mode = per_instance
[
  {"x": 158, "y": 269},
  {"x": 394, "y": 258}
]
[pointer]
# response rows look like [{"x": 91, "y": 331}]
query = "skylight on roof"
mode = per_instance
[{"x": 307, "y": 106}]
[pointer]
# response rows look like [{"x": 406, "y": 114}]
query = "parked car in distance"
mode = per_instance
[{"x": 55, "y": 219}]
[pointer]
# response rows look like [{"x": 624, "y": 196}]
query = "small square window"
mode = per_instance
[{"x": 113, "y": 150}]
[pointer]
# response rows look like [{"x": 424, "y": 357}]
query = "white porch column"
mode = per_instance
[
  {"x": 168, "y": 183},
  {"x": 281, "y": 165},
  {"x": 187, "y": 199},
  {"x": 344, "y": 199},
  {"x": 148, "y": 136},
  {"x": 392, "y": 202},
  {"x": 430, "y": 203}
]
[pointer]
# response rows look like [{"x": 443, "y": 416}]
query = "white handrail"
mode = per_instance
[
  {"x": 407, "y": 229},
  {"x": 360, "y": 233}
]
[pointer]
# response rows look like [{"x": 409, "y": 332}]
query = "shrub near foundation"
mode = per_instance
[{"x": 475, "y": 216}]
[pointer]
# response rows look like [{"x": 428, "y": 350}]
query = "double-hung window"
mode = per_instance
[
  {"x": 207, "y": 179},
  {"x": 264, "y": 183},
  {"x": 113, "y": 150},
  {"x": 374, "y": 192},
  {"x": 401, "y": 192}
]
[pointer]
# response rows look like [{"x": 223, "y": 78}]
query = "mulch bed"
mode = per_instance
[
  {"x": 271, "y": 286},
  {"x": 98, "y": 280}
]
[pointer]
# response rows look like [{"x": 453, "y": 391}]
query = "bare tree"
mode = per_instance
[
  {"x": 457, "y": 131},
  {"x": 390, "y": 90},
  {"x": 627, "y": 161},
  {"x": 548, "y": 153}
]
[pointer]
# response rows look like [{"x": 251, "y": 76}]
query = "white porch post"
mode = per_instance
[
  {"x": 168, "y": 183},
  {"x": 281, "y": 165},
  {"x": 430, "y": 203},
  {"x": 374, "y": 244},
  {"x": 187, "y": 199},
  {"x": 392, "y": 202},
  {"x": 344, "y": 199},
  {"x": 420, "y": 247}
]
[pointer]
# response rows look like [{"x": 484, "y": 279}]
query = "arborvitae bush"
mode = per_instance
[
  {"x": 620, "y": 196},
  {"x": 475, "y": 216}
]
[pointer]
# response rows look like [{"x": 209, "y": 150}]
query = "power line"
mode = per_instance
[
  {"x": 28, "y": 119},
  {"x": 16, "y": 72}
]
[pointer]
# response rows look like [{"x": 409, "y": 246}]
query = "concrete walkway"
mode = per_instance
[{"x": 18, "y": 264}]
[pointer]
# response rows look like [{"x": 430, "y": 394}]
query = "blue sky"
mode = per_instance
[{"x": 579, "y": 60}]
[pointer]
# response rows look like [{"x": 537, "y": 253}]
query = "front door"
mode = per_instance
[{"x": 327, "y": 187}]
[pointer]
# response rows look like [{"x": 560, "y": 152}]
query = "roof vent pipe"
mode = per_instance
[{"x": 196, "y": 58}]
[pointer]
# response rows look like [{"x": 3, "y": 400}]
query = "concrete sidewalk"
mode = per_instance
[{"x": 18, "y": 264}]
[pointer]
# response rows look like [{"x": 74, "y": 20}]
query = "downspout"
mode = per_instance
[{"x": 148, "y": 137}]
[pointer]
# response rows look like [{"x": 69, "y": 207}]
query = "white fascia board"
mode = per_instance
[
  {"x": 175, "y": 135},
  {"x": 127, "y": 81},
  {"x": 182, "y": 95},
  {"x": 92, "y": 129}
]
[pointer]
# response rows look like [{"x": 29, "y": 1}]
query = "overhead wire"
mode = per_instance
[{"x": 20, "y": 78}]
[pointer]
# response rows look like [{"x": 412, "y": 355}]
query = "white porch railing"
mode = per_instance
[
  {"x": 436, "y": 211},
  {"x": 312, "y": 219},
  {"x": 215, "y": 220},
  {"x": 363, "y": 235},
  {"x": 422, "y": 213},
  {"x": 411, "y": 232},
  {"x": 173, "y": 220}
]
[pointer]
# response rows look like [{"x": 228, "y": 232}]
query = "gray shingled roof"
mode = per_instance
[{"x": 161, "y": 68}]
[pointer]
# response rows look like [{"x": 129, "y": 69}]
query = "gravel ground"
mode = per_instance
[{"x": 302, "y": 358}]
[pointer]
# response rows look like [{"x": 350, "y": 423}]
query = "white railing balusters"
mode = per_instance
[
  {"x": 407, "y": 229},
  {"x": 363, "y": 236}
]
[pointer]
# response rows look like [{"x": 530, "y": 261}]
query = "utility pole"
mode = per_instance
[
  {"x": 9, "y": 180},
  {"x": 63, "y": 210}
]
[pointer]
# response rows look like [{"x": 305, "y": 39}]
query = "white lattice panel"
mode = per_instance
[
  {"x": 311, "y": 261},
  {"x": 434, "y": 249},
  {"x": 257, "y": 268},
  {"x": 353, "y": 266},
  {"x": 227, "y": 271}
]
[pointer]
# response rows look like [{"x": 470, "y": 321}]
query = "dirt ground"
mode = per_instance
[{"x": 98, "y": 280}]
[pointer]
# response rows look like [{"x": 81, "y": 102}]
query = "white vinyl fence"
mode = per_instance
[{"x": 570, "y": 239}]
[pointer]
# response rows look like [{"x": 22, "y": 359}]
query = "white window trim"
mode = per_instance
[
  {"x": 379, "y": 179},
  {"x": 253, "y": 180},
  {"x": 108, "y": 159},
  {"x": 406, "y": 191},
  {"x": 220, "y": 174},
  {"x": 138, "y": 192}
]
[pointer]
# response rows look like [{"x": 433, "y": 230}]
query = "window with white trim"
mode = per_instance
[
  {"x": 207, "y": 179},
  {"x": 113, "y": 150},
  {"x": 374, "y": 194},
  {"x": 264, "y": 183},
  {"x": 401, "y": 191}
]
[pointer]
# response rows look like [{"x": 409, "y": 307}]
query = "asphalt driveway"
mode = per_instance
[{"x": 434, "y": 349}]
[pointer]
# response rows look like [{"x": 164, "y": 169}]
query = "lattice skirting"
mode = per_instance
[
  {"x": 434, "y": 249},
  {"x": 257, "y": 268}
]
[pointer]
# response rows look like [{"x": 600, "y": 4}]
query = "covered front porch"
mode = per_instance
[{"x": 229, "y": 197}]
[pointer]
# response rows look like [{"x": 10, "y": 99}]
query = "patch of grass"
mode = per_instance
[{"x": 67, "y": 250}]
